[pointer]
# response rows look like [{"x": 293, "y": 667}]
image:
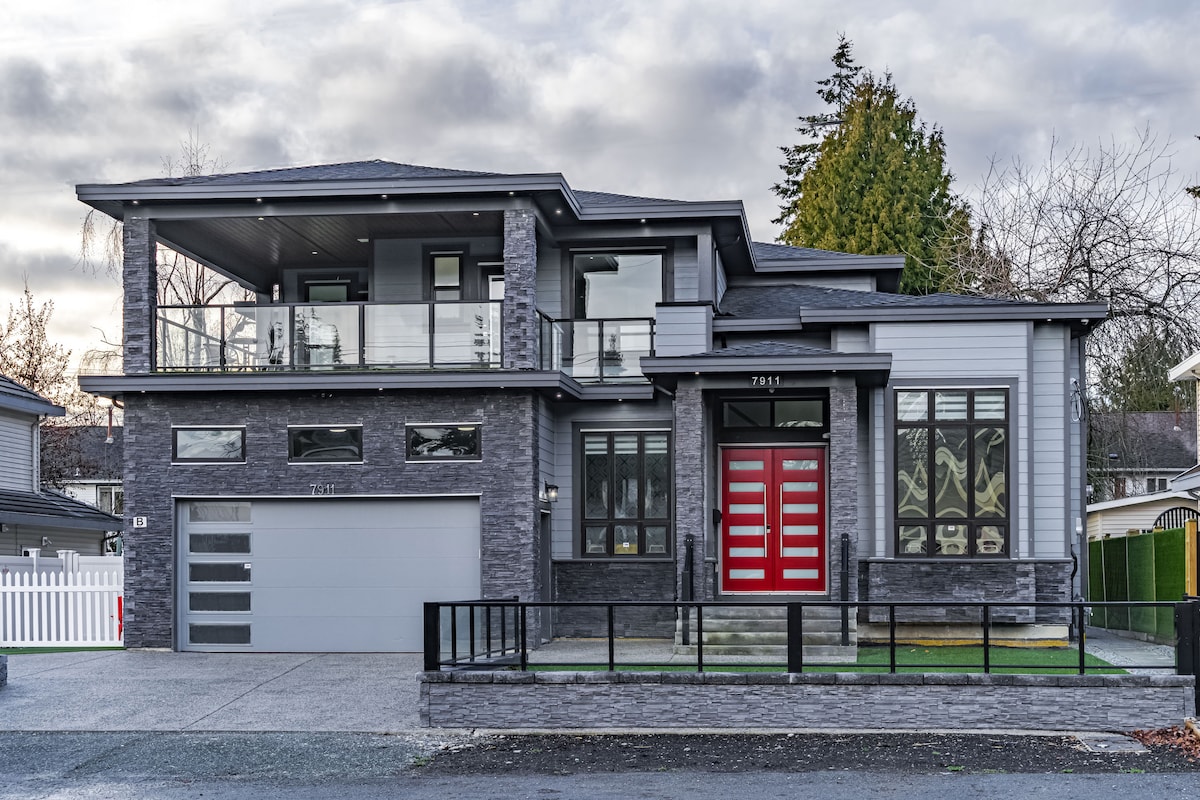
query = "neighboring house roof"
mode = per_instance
[
  {"x": 54, "y": 510},
  {"x": 1142, "y": 499},
  {"x": 1143, "y": 441},
  {"x": 92, "y": 457},
  {"x": 15, "y": 397}
]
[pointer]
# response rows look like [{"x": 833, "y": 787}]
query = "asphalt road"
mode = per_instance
[{"x": 250, "y": 766}]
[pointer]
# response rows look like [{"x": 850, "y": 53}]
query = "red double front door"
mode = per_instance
[{"x": 773, "y": 520}]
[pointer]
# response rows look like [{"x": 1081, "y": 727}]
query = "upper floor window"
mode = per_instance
[
  {"x": 615, "y": 285},
  {"x": 446, "y": 277},
  {"x": 342, "y": 444},
  {"x": 208, "y": 445},
  {"x": 951, "y": 481}
]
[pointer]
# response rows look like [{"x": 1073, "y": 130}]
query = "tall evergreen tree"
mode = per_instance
[{"x": 876, "y": 182}]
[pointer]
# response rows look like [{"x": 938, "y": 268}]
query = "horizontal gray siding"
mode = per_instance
[
  {"x": 16, "y": 444},
  {"x": 397, "y": 270},
  {"x": 850, "y": 339},
  {"x": 603, "y": 415},
  {"x": 1050, "y": 395},
  {"x": 549, "y": 280},
  {"x": 682, "y": 330},
  {"x": 955, "y": 354},
  {"x": 687, "y": 271}
]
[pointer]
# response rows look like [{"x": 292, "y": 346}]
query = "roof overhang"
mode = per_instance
[
  {"x": 886, "y": 270},
  {"x": 1080, "y": 316},
  {"x": 1188, "y": 368},
  {"x": 869, "y": 368},
  {"x": 1187, "y": 481}
]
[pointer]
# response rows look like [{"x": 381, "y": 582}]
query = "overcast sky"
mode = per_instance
[{"x": 684, "y": 99}]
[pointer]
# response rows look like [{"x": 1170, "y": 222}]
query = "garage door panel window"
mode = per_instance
[
  {"x": 626, "y": 493},
  {"x": 208, "y": 445},
  {"x": 218, "y": 601},
  {"x": 219, "y": 543},
  {"x": 443, "y": 442},
  {"x": 951, "y": 472},
  {"x": 218, "y": 511},
  {"x": 340, "y": 444},
  {"x": 204, "y": 633},
  {"x": 219, "y": 572}
]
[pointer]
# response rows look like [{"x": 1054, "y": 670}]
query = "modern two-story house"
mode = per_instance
[{"x": 456, "y": 384}]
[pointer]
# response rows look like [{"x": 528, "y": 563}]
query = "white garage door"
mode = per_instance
[{"x": 321, "y": 575}]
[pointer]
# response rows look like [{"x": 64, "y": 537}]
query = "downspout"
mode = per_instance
[{"x": 1081, "y": 559}]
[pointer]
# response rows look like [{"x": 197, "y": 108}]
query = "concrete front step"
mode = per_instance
[
  {"x": 834, "y": 654},
  {"x": 763, "y": 625},
  {"x": 742, "y": 638}
]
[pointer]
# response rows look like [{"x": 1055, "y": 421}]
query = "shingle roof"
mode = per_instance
[
  {"x": 1145, "y": 440},
  {"x": 350, "y": 170},
  {"x": 14, "y": 395},
  {"x": 767, "y": 348},
  {"x": 55, "y": 510},
  {"x": 770, "y": 251},
  {"x": 586, "y": 198},
  {"x": 772, "y": 302}
]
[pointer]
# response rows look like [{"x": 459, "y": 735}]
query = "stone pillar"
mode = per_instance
[
  {"x": 691, "y": 512},
  {"x": 521, "y": 328},
  {"x": 140, "y": 276},
  {"x": 843, "y": 486}
]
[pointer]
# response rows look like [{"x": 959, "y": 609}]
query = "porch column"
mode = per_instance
[
  {"x": 521, "y": 329},
  {"x": 692, "y": 514},
  {"x": 843, "y": 486},
  {"x": 140, "y": 277}
]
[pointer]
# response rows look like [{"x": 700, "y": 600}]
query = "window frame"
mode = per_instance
[
  {"x": 570, "y": 285},
  {"x": 435, "y": 459},
  {"x": 293, "y": 429},
  {"x": 432, "y": 254},
  {"x": 583, "y": 521},
  {"x": 176, "y": 459},
  {"x": 971, "y": 521}
]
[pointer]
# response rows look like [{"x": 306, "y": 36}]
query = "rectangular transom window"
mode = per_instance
[
  {"x": 208, "y": 445},
  {"x": 951, "y": 481},
  {"x": 626, "y": 494},
  {"x": 443, "y": 442},
  {"x": 323, "y": 445}
]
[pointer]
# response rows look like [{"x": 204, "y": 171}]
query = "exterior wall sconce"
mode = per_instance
[{"x": 551, "y": 493}]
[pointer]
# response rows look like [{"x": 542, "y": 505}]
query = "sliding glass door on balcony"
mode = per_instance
[{"x": 319, "y": 336}]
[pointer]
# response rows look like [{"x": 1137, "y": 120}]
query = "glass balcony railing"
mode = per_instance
[
  {"x": 320, "y": 336},
  {"x": 597, "y": 350}
]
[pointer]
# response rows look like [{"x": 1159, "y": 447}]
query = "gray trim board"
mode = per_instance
[{"x": 1078, "y": 312}]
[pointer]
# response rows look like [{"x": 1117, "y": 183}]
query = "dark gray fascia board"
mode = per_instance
[
  {"x": 842, "y": 264},
  {"x": 66, "y": 523},
  {"x": 30, "y": 406},
  {"x": 111, "y": 385},
  {"x": 742, "y": 325},
  {"x": 1051, "y": 312},
  {"x": 833, "y": 362},
  {"x": 617, "y": 391}
]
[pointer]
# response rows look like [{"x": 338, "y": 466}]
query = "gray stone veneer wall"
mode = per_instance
[
  {"x": 609, "y": 580},
  {"x": 3, "y": 670},
  {"x": 520, "y": 290},
  {"x": 505, "y": 478},
  {"x": 728, "y": 700},
  {"x": 140, "y": 278},
  {"x": 843, "y": 486},
  {"x": 690, "y": 464},
  {"x": 953, "y": 582}
]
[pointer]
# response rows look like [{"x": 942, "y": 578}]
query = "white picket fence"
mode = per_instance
[{"x": 62, "y": 608}]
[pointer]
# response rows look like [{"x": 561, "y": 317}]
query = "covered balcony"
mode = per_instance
[{"x": 329, "y": 336}]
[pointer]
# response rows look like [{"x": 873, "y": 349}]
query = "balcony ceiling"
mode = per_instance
[{"x": 253, "y": 251}]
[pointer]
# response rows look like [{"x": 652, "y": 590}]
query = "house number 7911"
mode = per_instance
[
  {"x": 766, "y": 380},
  {"x": 321, "y": 488}
]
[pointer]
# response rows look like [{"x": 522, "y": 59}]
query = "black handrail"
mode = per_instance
[{"x": 490, "y": 656}]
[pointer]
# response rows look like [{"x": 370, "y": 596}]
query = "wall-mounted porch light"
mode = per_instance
[{"x": 551, "y": 493}]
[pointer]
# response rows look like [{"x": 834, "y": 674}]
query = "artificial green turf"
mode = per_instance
[{"x": 956, "y": 658}]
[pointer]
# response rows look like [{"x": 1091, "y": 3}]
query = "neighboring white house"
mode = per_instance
[
  {"x": 96, "y": 477},
  {"x": 1118, "y": 517},
  {"x": 32, "y": 517}
]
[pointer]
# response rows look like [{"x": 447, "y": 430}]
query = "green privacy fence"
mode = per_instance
[{"x": 1147, "y": 567}]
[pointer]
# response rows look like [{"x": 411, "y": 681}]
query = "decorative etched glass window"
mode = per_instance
[
  {"x": 340, "y": 444},
  {"x": 951, "y": 457},
  {"x": 443, "y": 442},
  {"x": 626, "y": 492},
  {"x": 208, "y": 445}
]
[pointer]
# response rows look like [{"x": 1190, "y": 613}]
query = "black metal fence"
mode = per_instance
[{"x": 493, "y": 634}]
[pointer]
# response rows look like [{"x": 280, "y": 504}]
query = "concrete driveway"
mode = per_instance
[{"x": 164, "y": 691}]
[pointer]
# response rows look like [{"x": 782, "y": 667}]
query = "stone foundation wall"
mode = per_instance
[
  {"x": 828, "y": 701},
  {"x": 610, "y": 580}
]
